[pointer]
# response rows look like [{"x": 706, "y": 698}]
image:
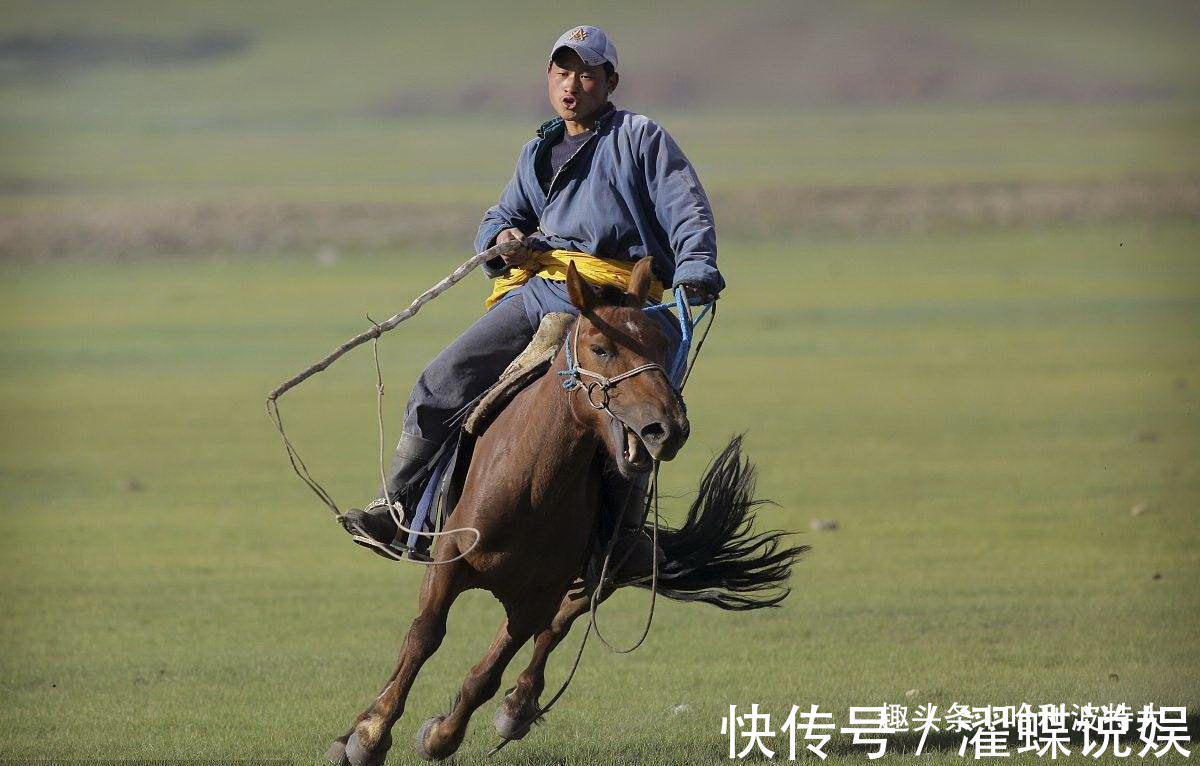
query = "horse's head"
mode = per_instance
[{"x": 621, "y": 355}]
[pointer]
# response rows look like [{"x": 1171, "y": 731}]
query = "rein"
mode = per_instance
[{"x": 572, "y": 380}]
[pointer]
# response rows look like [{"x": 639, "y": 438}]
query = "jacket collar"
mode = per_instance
[{"x": 554, "y": 128}]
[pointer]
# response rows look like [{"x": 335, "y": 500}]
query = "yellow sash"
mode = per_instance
[{"x": 552, "y": 264}]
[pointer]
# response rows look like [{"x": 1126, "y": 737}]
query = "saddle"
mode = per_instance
[{"x": 529, "y": 365}]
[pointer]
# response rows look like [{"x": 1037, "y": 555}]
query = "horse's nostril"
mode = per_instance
[{"x": 653, "y": 433}]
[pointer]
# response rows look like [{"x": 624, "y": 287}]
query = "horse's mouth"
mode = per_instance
[{"x": 634, "y": 457}]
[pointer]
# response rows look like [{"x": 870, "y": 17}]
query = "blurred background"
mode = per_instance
[
  {"x": 262, "y": 128},
  {"x": 961, "y": 330}
]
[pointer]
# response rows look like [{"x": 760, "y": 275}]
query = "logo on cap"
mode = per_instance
[{"x": 579, "y": 35}]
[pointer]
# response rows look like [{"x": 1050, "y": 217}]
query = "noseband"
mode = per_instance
[{"x": 572, "y": 377}]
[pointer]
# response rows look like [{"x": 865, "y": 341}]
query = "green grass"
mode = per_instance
[{"x": 978, "y": 412}]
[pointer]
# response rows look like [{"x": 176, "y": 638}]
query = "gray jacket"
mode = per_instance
[{"x": 626, "y": 193}]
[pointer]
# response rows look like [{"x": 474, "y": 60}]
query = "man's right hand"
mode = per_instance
[{"x": 517, "y": 257}]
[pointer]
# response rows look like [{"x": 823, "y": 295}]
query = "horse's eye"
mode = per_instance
[{"x": 598, "y": 351}]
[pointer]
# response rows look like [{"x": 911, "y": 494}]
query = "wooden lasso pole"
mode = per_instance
[{"x": 455, "y": 276}]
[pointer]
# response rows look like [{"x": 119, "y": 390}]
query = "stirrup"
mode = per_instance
[{"x": 394, "y": 549}]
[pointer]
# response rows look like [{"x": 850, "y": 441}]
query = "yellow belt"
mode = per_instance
[{"x": 552, "y": 264}]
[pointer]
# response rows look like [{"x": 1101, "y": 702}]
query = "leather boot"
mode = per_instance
[{"x": 413, "y": 454}]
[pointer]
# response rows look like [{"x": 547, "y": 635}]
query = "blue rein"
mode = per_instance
[
  {"x": 687, "y": 324},
  {"x": 678, "y": 368}
]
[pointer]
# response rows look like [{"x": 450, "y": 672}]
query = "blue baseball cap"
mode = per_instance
[{"x": 591, "y": 43}]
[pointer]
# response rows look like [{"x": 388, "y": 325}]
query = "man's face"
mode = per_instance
[{"x": 576, "y": 89}]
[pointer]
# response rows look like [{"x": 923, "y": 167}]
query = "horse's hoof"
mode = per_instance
[
  {"x": 336, "y": 754},
  {"x": 357, "y": 755},
  {"x": 514, "y": 726},
  {"x": 424, "y": 732},
  {"x": 510, "y": 727}
]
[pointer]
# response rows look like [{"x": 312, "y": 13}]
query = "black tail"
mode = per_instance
[{"x": 716, "y": 557}]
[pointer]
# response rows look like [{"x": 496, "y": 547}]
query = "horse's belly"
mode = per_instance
[{"x": 534, "y": 548}]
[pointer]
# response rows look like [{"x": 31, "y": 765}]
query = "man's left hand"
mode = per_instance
[{"x": 698, "y": 294}]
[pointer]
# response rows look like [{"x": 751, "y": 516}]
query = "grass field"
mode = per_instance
[
  {"x": 978, "y": 413},
  {"x": 980, "y": 398}
]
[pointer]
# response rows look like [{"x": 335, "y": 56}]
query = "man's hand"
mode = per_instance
[
  {"x": 698, "y": 294},
  {"x": 517, "y": 257}
]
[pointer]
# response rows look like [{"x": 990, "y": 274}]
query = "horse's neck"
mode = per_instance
[
  {"x": 552, "y": 446},
  {"x": 561, "y": 433}
]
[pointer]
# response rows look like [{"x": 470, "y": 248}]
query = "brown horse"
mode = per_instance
[{"x": 533, "y": 491}]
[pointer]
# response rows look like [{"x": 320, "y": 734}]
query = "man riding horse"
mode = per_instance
[{"x": 598, "y": 186}]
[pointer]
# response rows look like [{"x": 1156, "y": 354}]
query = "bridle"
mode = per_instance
[
  {"x": 572, "y": 376},
  {"x": 677, "y": 376}
]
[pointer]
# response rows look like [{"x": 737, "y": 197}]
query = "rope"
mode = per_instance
[
  {"x": 712, "y": 317},
  {"x": 651, "y": 493},
  {"x": 651, "y": 498},
  {"x": 377, "y": 329},
  {"x": 394, "y": 508},
  {"x": 297, "y": 463}
]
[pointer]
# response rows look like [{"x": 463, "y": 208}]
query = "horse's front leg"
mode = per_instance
[
  {"x": 367, "y": 742},
  {"x": 520, "y": 707},
  {"x": 440, "y": 736}
]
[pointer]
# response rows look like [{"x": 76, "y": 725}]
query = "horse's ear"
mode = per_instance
[
  {"x": 639, "y": 283},
  {"x": 581, "y": 294}
]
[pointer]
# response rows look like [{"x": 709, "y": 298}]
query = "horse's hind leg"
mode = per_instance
[
  {"x": 440, "y": 736},
  {"x": 368, "y": 740}
]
